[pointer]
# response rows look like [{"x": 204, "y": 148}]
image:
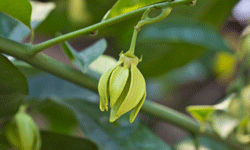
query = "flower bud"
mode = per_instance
[
  {"x": 124, "y": 87},
  {"x": 22, "y": 132}
]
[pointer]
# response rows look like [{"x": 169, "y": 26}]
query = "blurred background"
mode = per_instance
[{"x": 185, "y": 56}]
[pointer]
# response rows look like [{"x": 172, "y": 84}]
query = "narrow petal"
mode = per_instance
[
  {"x": 103, "y": 88},
  {"x": 137, "y": 108},
  {"x": 117, "y": 83},
  {"x": 136, "y": 91},
  {"x": 117, "y": 105}
]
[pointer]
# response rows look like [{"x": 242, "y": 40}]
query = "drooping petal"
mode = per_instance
[
  {"x": 117, "y": 83},
  {"x": 137, "y": 108},
  {"x": 136, "y": 91},
  {"x": 103, "y": 88},
  {"x": 117, "y": 105}
]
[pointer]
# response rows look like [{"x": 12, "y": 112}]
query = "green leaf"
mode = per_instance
[
  {"x": 13, "y": 87},
  {"x": 205, "y": 143},
  {"x": 20, "y": 10},
  {"x": 173, "y": 43},
  {"x": 223, "y": 123},
  {"x": 94, "y": 123},
  {"x": 201, "y": 113},
  {"x": 85, "y": 57},
  {"x": 125, "y": 6},
  {"x": 52, "y": 141},
  {"x": 16, "y": 31},
  {"x": 217, "y": 11},
  {"x": 213, "y": 11}
]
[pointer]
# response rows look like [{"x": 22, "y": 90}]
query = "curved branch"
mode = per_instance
[{"x": 40, "y": 47}]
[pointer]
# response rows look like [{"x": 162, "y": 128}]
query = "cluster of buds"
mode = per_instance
[
  {"x": 124, "y": 86},
  {"x": 22, "y": 132}
]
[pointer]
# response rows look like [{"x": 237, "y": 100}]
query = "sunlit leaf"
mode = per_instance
[
  {"x": 125, "y": 6},
  {"x": 201, "y": 113}
]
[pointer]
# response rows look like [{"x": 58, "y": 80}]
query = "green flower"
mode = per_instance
[
  {"x": 22, "y": 132},
  {"x": 124, "y": 86}
]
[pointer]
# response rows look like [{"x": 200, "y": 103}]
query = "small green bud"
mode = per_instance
[
  {"x": 124, "y": 86},
  {"x": 22, "y": 132}
]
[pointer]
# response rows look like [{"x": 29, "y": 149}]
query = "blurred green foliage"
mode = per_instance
[{"x": 168, "y": 48}]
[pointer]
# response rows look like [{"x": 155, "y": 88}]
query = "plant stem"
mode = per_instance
[
  {"x": 40, "y": 47},
  {"x": 63, "y": 71},
  {"x": 31, "y": 36},
  {"x": 131, "y": 50},
  {"x": 22, "y": 108}
]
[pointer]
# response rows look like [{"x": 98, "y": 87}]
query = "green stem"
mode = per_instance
[
  {"x": 63, "y": 71},
  {"x": 40, "y": 47},
  {"x": 131, "y": 50},
  {"x": 22, "y": 108},
  {"x": 31, "y": 36},
  {"x": 146, "y": 20}
]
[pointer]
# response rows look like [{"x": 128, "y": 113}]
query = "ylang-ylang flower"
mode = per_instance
[{"x": 123, "y": 87}]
